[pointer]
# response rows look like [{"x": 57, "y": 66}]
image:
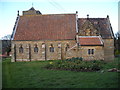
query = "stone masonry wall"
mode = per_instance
[
  {"x": 60, "y": 51},
  {"x": 109, "y": 49},
  {"x": 98, "y": 53},
  {"x": 43, "y": 51}
]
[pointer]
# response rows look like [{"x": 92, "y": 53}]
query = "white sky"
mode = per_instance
[{"x": 95, "y": 9}]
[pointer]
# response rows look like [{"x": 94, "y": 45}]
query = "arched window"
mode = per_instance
[
  {"x": 36, "y": 49},
  {"x": 20, "y": 49},
  {"x": 67, "y": 47},
  {"x": 51, "y": 48}
]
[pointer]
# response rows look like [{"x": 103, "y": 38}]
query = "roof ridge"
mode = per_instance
[{"x": 47, "y": 14}]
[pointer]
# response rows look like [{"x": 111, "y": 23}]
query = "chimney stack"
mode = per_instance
[
  {"x": 107, "y": 16},
  {"x": 76, "y": 12},
  {"x": 87, "y": 16}
]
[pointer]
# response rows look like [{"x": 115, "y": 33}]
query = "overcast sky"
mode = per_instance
[{"x": 95, "y": 9}]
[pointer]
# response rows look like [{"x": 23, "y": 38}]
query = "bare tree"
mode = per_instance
[
  {"x": 7, "y": 37},
  {"x": 6, "y": 44}
]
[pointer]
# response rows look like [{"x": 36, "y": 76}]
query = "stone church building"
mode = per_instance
[{"x": 38, "y": 36}]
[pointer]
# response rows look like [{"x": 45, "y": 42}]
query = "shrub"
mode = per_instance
[
  {"x": 76, "y": 64},
  {"x": 117, "y": 53},
  {"x": 74, "y": 59},
  {"x": 49, "y": 66}
]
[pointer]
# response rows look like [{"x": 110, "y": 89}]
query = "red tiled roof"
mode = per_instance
[
  {"x": 46, "y": 27},
  {"x": 90, "y": 40}
]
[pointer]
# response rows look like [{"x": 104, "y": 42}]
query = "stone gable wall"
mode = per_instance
[{"x": 30, "y": 12}]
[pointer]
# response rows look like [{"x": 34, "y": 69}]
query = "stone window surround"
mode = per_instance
[
  {"x": 90, "y": 51},
  {"x": 21, "y": 50},
  {"x": 51, "y": 47},
  {"x": 36, "y": 48}
]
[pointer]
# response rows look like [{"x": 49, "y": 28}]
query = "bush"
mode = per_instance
[
  {"x": 117, "y": 53},
  {"x": 49, "y": 66},
  {"x": 76, "y": 64},
  {"x": 74, "y": 59}
]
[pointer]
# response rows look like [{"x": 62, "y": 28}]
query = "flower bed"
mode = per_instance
[{"x": 76, "y": 64}]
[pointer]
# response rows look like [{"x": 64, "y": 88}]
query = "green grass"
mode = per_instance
[{"x": 33, "y": 75}]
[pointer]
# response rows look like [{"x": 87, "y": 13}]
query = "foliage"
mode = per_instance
[
  {"x": 76, "y": 64},
  {"x": 33, "y": 75},
  {"x": 117, "y": 52},
  {"x": 6, "y": 46},
  {"x": 117, "y": 41}
]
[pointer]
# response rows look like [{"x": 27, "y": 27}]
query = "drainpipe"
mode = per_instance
[
  {"x": 15, "y": 52},
  {"x": 29, "y": 52},
  {"x": 45, "y": 52},
  {"x": 77, "y": 29}
]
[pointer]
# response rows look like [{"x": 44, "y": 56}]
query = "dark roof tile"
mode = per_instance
[{"x": 100, "y": 24}]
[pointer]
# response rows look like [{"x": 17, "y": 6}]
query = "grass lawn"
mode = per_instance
[{"x": 33, "y": 75}]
